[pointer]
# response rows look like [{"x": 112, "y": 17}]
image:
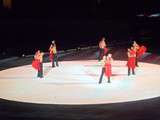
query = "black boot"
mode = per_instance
[
  {"x": 128, "y": 71},
  {"x": 101, "y": 77},
  {"x": 137, "y": 62},
  {"x": 133, "y": 73},
  {"x": 109, "y": 80},
  {"x": 53, "y": 65}
]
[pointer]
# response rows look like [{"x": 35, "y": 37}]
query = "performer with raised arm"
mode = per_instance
[
  {"x": 53, "y": 54},
  {"x": 131, "y": 60},
  {"x": 140, "y": 50},
  {"x": 106, "y": 67},
  {"x": 136, "y": 49},
  {"x": 102, "y": 49},
  {"x": 37, "y": 63}
]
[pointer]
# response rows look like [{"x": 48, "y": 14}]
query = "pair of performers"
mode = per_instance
[
  {"x": 131, "y": 60},
  {"x": 134, "y": 54},
  {"x": 106, "y": 60},
  {"x": 140, "y": 50},
  {"x": 53, "y": 54},
  {"x": 37, "y": 63},
  {"x": 106, "y": 67}
]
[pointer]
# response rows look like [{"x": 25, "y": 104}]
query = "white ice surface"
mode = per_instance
[{"x": 76, "y": 82}]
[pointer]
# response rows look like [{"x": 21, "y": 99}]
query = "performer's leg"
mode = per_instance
[
  {"x": 38, "y": 74},
  {"x": 137, "y": 63},
  {"x": 53, "y": 65},
  {"x": 133, "y": 72},
  {"x": 136, "y": 60},
  {"x": 99, "y": 56},
  {"x": 53, "y": 61},
  {"x": 128, "y": 71},
  {"x": 41, "y": 71},
  {"x": 109, "y": 79},
  {"x": 56, "y": 60},
  {"x": 102, "y": 73}
]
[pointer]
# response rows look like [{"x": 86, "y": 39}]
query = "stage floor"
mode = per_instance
[{"x": 76, "y": 82}]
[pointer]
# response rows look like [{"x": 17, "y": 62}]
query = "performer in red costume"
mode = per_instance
[
  {"x": 140, "y": 50},
  {"x": 131, "y": 60},
  {"x": 53, "y": 54},
  {"x": 136, "y": 49},
  {"x": 102, "y": 49},
  {"x": 106, "y": 68},
  {"x": 37, "y": 63}
]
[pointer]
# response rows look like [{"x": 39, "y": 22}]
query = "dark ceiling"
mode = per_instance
[
  {"x": 29, "y": 22},
  {"x": 80, "y": 9}
]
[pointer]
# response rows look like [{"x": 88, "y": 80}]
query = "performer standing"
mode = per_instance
[
  {"x": 102, "y": 49},
  {"x": 131, "y": 60},
  {"x": 140, "y": 50},
  {"x": 53, "y": 54},
  {"x": 38, "y": 63},
  {"x": 106, "y": 68},
  {"x": 136, "y": 49}
]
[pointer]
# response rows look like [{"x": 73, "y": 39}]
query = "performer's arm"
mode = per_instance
[{"x": 128, "y": 54}]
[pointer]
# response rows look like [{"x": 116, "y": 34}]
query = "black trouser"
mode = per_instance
[
  {"x": 40, "y": 72},
  {"x": 101, "y": 54},
  {"x": 109, "y": 79},
  {"x": 129, "y": 70},
  {"x": 102, "y": 73},
  {"x": 101, "y": 77},
  {"x": 55, "y": 59}
]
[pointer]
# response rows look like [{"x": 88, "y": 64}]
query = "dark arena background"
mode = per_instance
[{"x": 71, "y": 91}]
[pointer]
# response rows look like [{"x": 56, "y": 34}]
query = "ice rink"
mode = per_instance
[{"x": 76, "y": 82}]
